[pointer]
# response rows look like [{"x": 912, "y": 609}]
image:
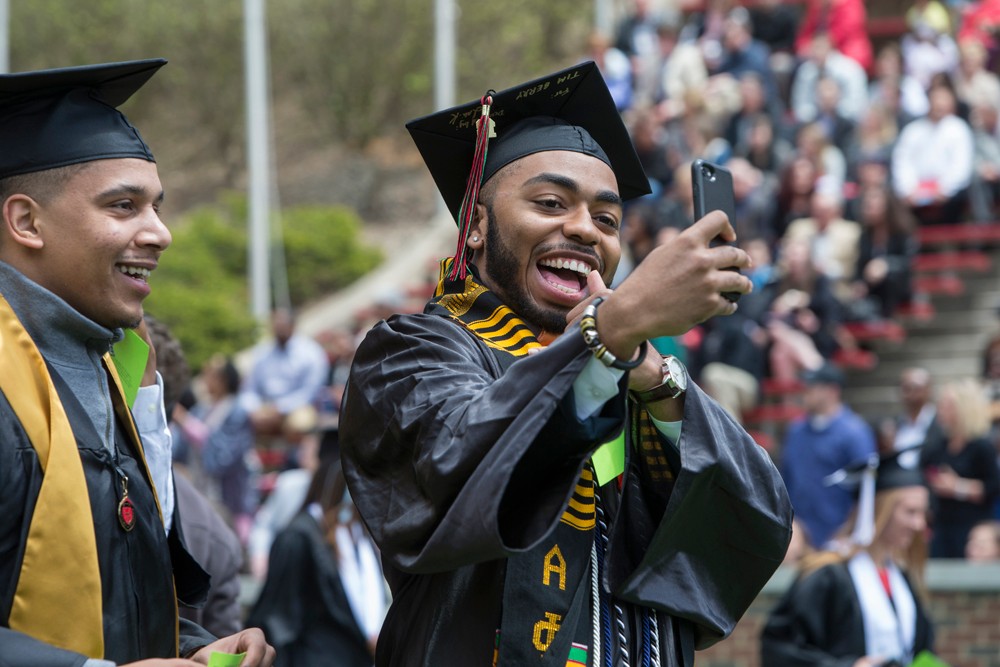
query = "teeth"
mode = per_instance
[
  {"x": 573, "y": 265},
  {"x": 134, "y": 271}
]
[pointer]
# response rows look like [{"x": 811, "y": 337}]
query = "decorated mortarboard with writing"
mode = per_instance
[
  {"x": 892, "y": 470},
  {"x": 570, "y": 110},
  {"x": 58, "y": 117}
]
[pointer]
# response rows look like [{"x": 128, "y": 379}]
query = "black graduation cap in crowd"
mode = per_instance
[
  {"x": 569, "y": 110},
  {"x": 892, "y": 470},
  {"x": 58, "y": 117}
]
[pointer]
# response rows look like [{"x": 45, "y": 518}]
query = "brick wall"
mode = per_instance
[{"x": 964, "y": 605}]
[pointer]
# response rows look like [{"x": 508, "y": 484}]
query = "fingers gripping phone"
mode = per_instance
[{"x": 712, "y": 187}]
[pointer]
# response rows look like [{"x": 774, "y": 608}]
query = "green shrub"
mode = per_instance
[{"x": 201, "y": 291}]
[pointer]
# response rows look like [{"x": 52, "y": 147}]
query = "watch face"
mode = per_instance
[{"x": 677, "y": 372}]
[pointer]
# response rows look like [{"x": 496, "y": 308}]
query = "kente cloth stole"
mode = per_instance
[
  {"x": 61, "y": 550},
  {"x": 547, "y": 602}
]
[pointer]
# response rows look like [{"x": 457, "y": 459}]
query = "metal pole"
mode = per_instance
[
  {"x": 444, "y": 63},
  {"x": 258, "y": 159},
  {"x": 4, "y": 36}
]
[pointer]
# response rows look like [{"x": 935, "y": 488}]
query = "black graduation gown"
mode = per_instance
[
  {"x": 818, "y": 623},
  {"x": 303, "y": 608},
  {"x": 456, "y": 466},
  {"x": 138, "y": 594}
]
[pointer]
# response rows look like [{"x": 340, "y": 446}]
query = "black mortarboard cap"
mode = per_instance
[
  {"x": 569, "y": 110},
  {"x": 58, "y": 117},
  {"x": 891, "y": 470}
]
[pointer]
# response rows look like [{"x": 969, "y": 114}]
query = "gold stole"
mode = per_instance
[{"x": 60, "y": 577}]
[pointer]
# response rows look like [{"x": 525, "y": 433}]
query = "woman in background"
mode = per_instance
[
  {"x": 961, "y": 467},
  {"x": 862, "y": 606}
]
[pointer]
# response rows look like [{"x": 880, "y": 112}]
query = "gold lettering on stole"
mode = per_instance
[
  {"x": 549, "y": 627},
  {"x": 554, "y": 563}
]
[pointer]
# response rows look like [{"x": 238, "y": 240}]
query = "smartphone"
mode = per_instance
[{"x": 712, "y": 187}]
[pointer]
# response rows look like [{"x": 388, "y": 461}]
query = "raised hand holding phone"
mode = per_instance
[{"x": 712, "y": 187}]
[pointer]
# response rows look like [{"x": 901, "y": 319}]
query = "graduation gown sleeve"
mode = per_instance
[
  {"x": 723, "y": 531},
  {"x": 444, "y": 453}
]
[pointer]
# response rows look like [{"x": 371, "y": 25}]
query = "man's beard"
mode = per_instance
[{"x": 503, "y": 268}]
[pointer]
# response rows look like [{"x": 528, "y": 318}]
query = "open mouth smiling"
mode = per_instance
[
  {"x": 133, "y": 271},
  {"x": 565, "y": 274}
]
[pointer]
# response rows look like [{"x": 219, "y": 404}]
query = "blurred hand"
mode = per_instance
[{"x": 251, "y": 641}]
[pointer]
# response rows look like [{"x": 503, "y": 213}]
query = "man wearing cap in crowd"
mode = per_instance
[
  {"x": 827, "y": 438},
  {"x": 91, "y": 562},
  {"x": 472, "y": 433}
]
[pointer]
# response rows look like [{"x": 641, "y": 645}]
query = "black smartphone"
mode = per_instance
[{"x": 712, "y": 187}]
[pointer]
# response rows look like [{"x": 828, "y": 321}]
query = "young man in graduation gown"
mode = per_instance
[
  {"x": 471, "y": 432},
  {"x": 91, "y": 564}
]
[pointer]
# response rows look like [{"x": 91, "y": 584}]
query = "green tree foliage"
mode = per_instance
[
  {"x": 345, "y": 71},
  {"x": 200, "y": 290}
]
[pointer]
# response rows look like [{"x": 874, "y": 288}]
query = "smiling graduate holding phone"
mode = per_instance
[{"x": 473, "y": 434}]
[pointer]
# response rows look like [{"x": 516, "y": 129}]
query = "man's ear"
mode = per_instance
[
  {"x": 477, "y": 232},
  {"x": 20, "y": 221}
]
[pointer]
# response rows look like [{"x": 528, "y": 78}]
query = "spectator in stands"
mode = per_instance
[
  {"x": 910, "y": 96},
  {"x": 864, "y": 605},
  {"x": 931, "y": 13},
  {"x": 961, "y": 468},
  {"x": 873, "y": 140},
  {"x": 983, "y": 545},
  {"x": 984, "y": 189},
  {"x": 973, "y": 80},
  {"x": 776, "y": 23},
  {"x": 832, "y": 240},
  {"x": 742, "y": 53},
  {"x": 918, "y": 421},
  {"x": 795, "y": 189},
  {"x": 831, "y": 166},
  {"x": 803, "y": 320},
  {"x": 637, "y": 39},
  {"x": 824, "y": 60},
  {"x": 762, "y": 148},
  {"x": 615, "y": 67},
  {"x": 219, "y": 429},
  {"x": 754, "y": 102},
  {"x": 845, "y": 24},
  {"x": 682, "y": 70},
  {"x": 754, "y": 195},
  {"x": 837, "y": 128},
  {"x": 286, "y": 376},
  {"x": 933, "y": 160},
  {"x": 828, "y": 438},
  {"x": 882, "y": 279},
  {"x": 991, "y": 385},
  {"x": 927, "y": 52},
  {"x": 649, "y": 139}
]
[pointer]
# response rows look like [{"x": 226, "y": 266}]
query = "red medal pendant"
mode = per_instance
[{"x": 126, "y": 510}]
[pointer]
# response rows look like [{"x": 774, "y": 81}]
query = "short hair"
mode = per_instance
[{"x": 42, "y": 186}]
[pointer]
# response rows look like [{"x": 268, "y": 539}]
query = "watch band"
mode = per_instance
[{"x": 668, "y": 388}]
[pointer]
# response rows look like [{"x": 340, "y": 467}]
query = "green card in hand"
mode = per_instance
[
  {"x": 130, "y": 355},
  {"x": 218, "y": 659}
]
